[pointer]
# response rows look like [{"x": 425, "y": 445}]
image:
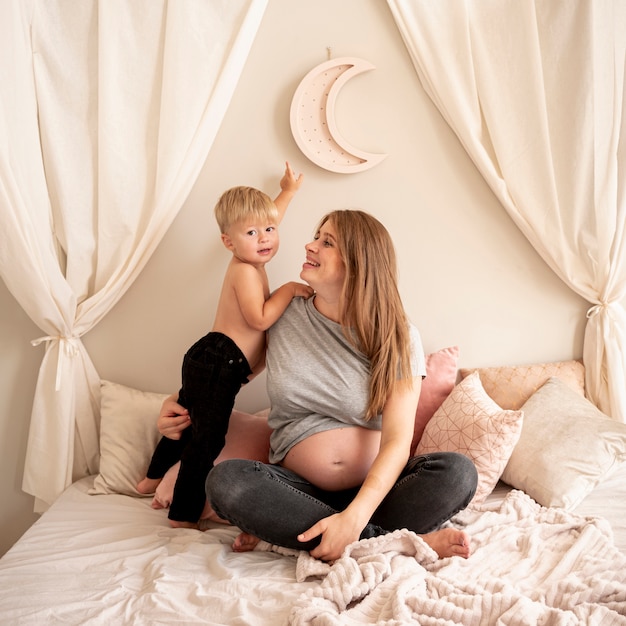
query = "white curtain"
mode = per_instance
[
  {"x": 108, "y": 109},
  {"x": 534, "y": 90}
]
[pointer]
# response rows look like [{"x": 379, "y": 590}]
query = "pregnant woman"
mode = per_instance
[{"x": 344, "y": 372}]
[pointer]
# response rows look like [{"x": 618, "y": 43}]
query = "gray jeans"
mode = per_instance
[{"x": 276, "y": 505}]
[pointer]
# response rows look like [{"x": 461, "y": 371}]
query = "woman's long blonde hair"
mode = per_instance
[{"x": 373, "y": 317}]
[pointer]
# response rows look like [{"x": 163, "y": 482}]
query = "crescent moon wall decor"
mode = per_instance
[{"x": 312, "y": 117}]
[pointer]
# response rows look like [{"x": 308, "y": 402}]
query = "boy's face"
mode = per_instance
[{"x": 252, "y": 242}]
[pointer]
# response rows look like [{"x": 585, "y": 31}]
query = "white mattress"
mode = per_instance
[{"x": 114, "y": 560}]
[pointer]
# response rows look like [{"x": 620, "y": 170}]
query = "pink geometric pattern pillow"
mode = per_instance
[
  {"x": 441, "y": 375},
  {"x": 471, "y": 423},
  {"x": 511, "y": 386}
]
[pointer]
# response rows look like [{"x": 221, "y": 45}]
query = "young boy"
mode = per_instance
[{"x": 216, "y": 366}]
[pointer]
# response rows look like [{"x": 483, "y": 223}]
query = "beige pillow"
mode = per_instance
[
  {"x": 471, "y": 423},
  {"x": 128, "y": 437},
  {"x": 566, "y": 448},
  {"x": 511, "y": 386}
]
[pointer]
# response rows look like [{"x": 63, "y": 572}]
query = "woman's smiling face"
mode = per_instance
[{"x": 324, "y": 268}]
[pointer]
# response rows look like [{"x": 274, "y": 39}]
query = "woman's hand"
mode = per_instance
[
  {"x": 173, "y": 418},
  {"x": 341, "y": 529},
  {"x": 337, "y": 531}
]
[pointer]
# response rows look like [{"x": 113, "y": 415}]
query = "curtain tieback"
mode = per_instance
[
  {"x": 68, "y": 348},
  {"x": 597, "y": 308}
]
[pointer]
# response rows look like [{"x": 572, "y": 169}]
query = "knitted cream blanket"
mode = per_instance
[{"x": 529, "y": 565}]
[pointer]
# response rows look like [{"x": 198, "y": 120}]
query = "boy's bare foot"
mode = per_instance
[
  {"x": 148, "y": 485},
  {"x": 245, "y": 542},
  {"x": 210, "y": 515},
  {"x": 448, "y": 542},
  {"x": 157, "y": 504}
]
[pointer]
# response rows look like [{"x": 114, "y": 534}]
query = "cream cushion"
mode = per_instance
[
  {"x": 128, "y": 437},
  {"x": 567, "y": 446}
]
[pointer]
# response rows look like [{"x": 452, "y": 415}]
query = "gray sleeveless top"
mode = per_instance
[{"x": 316, "y": 380}]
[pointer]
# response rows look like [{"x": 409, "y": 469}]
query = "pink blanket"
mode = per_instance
[{"x": 530, "y": 565}]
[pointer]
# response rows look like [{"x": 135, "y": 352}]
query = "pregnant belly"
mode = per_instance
[{"x": 335, "y": 459}]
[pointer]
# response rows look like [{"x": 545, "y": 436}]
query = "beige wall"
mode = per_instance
[
  {"x": 19, "y": 363},
  {"x": 468, "y": 277}
]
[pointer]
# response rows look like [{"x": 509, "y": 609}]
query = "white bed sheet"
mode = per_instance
[
  {"x": 607, "y": 500},
  {"x": 114, "y": 560}
]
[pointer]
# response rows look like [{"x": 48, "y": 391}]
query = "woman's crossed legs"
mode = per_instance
[{"x": 272, "y": 503}]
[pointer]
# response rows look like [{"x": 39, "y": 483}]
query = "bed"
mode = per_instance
[{"x": 548, "y": 525}]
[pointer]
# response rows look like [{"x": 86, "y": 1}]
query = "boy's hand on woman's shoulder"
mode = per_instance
[{"x": 301, "y": 290}]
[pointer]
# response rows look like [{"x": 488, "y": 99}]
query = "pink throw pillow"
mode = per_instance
[{"x": 441, "y": 375}]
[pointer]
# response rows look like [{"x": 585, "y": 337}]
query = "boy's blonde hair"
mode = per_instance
[{"x": 244, "y": 203}]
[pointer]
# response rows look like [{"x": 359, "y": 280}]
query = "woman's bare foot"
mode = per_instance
[
  {"x": 445, "y": 542},
  {"x": 148, "y": 485},
  {"x": 448, "y": 542},
  {"x": 245, "y": 542}
]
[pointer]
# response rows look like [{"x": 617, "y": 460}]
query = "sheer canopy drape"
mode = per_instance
[
  {"x": 107, "y": 113},
  {"x": 534, "y": 91}
]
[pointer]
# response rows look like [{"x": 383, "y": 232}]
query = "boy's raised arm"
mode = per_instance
[{"x": 289, "y": 185}]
